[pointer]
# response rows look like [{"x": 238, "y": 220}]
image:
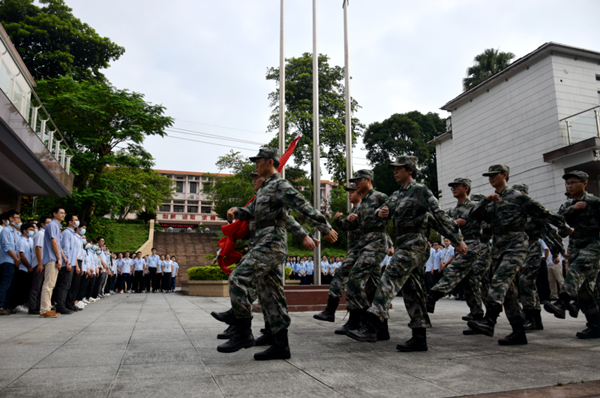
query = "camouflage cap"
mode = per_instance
[
  {"x": 521, "y": 187},
  {"x": 576, "y": 174},
  {"x": 410, "y": 161},
  {"x": 362, "y": 174},
  {"x": 351, "y": 187},
  {"x": 460, "y": 181},
  {"x": 478, "y": 197},
  {"x": 266, "y": 153},
  {"x": 497, "y": 168}
]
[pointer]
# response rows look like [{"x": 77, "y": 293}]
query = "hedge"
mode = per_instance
[{"x": 214, "y": 273}]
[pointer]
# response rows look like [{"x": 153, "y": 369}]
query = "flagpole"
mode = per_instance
[
  {"x": 348, "y": 105},
  {"x": 316, "y": 146},
  {"x": 282, "y": 95}
]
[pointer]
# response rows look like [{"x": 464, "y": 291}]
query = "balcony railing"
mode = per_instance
[{"x": 582, "y": 125}]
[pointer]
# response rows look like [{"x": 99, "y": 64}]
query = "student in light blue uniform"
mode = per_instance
[
  {"x": 310, "y": 269},
  {"x": 324, "y": 271},
  {"x": 9, "y": 257},
  {"x": 22, "y": 281},
  {"x": 153, "y": 260},
  {"x": 174, "y": 272},
  {"x": 302, "y": 271}
]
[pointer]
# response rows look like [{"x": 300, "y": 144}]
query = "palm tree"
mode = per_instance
[{"x": 486, "y": 64}]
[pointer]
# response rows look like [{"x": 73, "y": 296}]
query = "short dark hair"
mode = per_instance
[
  {"x": 414, "y": 171},
  {"x": 56, "y": 209},
  {"x": 100, "y": 237},
  {"x": 11, "y": 213},
  {"x": 45, "y": 218},
  {"x": 152, "y": 249},
  {"x": 69, "y": 218},
  {"x": 3, "y": 216},
  {"x": 26, "y": 225},
  {"x": 82, "y": 224}
]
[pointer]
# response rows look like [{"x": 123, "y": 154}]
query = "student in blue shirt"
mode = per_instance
[
  {"x": 22, "y": 280},
  {"x": 324, "y": 271},
  {"x": 174, "y": 272},
  {"x": 429, "y": 265},
  {"x": 9, "y": 256},
  {"x": 310, "y": 269},
  {"x": 153, "y": 276},
  {"x": 302, "y": 271}
]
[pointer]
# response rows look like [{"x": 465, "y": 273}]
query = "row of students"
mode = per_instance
[
  {"x": 150, "y": 273},
  {"x": 303, "y": 268}
]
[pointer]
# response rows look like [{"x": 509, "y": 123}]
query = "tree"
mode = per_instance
[
  {"x": 485, "y": 65},
  {"x": 404, "y": 134},
  {"x": 299, "y": 112},
  {"x": 53, "y": 43},
  {"x": 138, "y": 189},
  {"x": 95, "y": 118}
]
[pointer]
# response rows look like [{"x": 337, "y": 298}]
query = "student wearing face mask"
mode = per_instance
[
  {"x": 126, "y": 274},
  {"x": 72, "y": 303},
  {"x": 53, "y": 258},
  {"x": 69, "y": 244},
  {"x": 38, "y": 267},
  {"x": 138, "y": 264},
  {"x": 86, "y": 274},
  {"x": 9, "y": 258},
  {"x": 174, "y": 273},
  {"x": 22, "y": 282},
  {"x": 166, "y": 273}
]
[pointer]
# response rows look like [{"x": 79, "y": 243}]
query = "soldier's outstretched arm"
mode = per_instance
[
  {"x": 447, "y": 226},
  {"x": 297, "y": 202},
  {"x": 294, "y": 228},
  {"x": 535, "y": 209},
  {"x": 553, "y": 241},
  {"x": 390, "y": 205},
  {"x": 346, "y": 225},
  {"x": 479, "y": 212},
  {"x": 245, "y": 213}
]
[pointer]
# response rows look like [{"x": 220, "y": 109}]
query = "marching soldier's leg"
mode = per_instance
[
  {"x": 515, "y": 317},
  {"x": 414, "y": 300},
  {"x": 336, "y": 289},
  {"x": 528, "y": 290}
]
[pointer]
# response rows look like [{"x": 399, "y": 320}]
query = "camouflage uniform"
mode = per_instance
[
  {"x": 372, "y": 248},
  {"x": 461, "y": 269},
  {"x": 262, "y": 264},
  {"x": 508, "y": 217},
  {"x": 481, "y": 268},
  {"x": 584, "y": 253},
  {"x": 408, "y": 209},
  {"x": 340, "y": 278}
]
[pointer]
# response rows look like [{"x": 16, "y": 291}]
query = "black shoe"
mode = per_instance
[
  {"x": 383, "y": 334},
  {"x": 279, "y": 350},
  {"x": 352, "y": 323},
  {"x": 368, "y": 329},
  {"x": 418, "y": 342},
  {"x": 227, "y": 333},
  {"x": 467, "y": 317},
  {"x": 517, "y": 337},
  {"x": 242, "y": 337},
  {"x": 432, "y": 298},
  {"x": 471, "y": 332},
  {"x": 63, "y": 311},
  {"x": 484, "y": 326},
  {"x": 537, "y": 317},
  {"x": 328, "y": 314},
  {"x": 572, "y": 308},
  {"x": 34, "y": 312},
  {"x": 557, "y": 308},
  {"x": 263, "y": 340},
  {"x": 226, "y": 317},
  {"x": 593, "y": 328},
  {"x": 528, "y": 321}
]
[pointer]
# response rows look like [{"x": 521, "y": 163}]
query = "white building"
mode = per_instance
[{"x": 539, "y": 116}]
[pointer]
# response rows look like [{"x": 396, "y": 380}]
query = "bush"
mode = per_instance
[{"x": 214, "y": 273}]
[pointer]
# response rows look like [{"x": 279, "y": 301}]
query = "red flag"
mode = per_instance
[{"x": 227, "y": 254}]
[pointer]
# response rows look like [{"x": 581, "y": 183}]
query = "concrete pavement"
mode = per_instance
[{"x": 164, "y": 345}]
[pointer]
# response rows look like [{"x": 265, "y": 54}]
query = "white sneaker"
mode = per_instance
[
  {"x": 84, "y": 301},
  {"x": 80, "y": 305},
  {"x": 21, "y": 308},
  {"x": 121, "y": 292},
  {"x": 92, "y": 300},
  {"x": 107, "y": 294}
]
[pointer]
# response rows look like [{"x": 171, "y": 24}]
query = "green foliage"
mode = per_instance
[
  {"x": 235, "y": 190},
  {"x": 214, "y": 273},
  {"x": 404, "y": 134},
  {"x": 485, "y": 65},
  {"x": 94, "y": 118},
  {"x": 119, "y": 236},
  {"x": 53, "y": 43},
  {"x": 299, "y": 112},
  {"x": 138, "y": 189}
]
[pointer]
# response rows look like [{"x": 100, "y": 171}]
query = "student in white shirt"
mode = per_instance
[
  {"x": 174, "y": 273},
  {"x": 166, "y": 273},
  {"x": 139, "y": 266},
  {"x": 126, "y": 274},
  {"x": 324, "y": 271},
  {"x": 38, "y": 267}
]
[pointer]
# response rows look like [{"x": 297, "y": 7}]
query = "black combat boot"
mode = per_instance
[
  {"x": 432, "y": 299},
  {"x": 266, "y": 338},
  {"x": 266, "y": 329},
  {"x": 561, "y": 306},
  {"x": 242, "y": 337},
  {"x": 593, "y": 328},
  {"x": 487, "y": 324},
  {"x": 279, "y": 350},
  {"x": 227, "y": 333},
  {"x": 353, "y": 322},
  {"x": 537, "y": 317},
  {"x": 472, "y": 332},
  {"x": 369, "y": 327},
  {"x": 467, "y": 317},
  {"x": 384, "y": 333},
  {"x": 529, "y": 320},
  {"x": 418, "y": 342},
  {"x": 328, "y": 314},
  {"x": 517, "y": 337},
  {"x": 226, "y": 316}
]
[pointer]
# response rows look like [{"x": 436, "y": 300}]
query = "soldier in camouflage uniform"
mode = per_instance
[
  {"x": 261, "y": 265},
  {"x": 528, "y": 295},
  {"x": 372, "y": 247},
  {"x": 582, "y": 212},
  {"x": 506, "y": 211},
  {"x": 407, "y": 208},
  {"x": 461, "y": 269},
  {"x": 291, "y": 226}
]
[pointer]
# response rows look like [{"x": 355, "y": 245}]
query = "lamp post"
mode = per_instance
[
  {"x": 348, "y": 105},
  {"x": 316, "y": 146}
]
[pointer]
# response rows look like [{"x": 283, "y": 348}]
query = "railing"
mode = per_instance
[{"x": 582, "y": 125}]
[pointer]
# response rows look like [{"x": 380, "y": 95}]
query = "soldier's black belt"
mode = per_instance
[
  {"x": 585, "y": 233},
  {"x": 409, "y": 230},
  {"x": 270, "y": 223},
  {"x": 508, "y": 229},
  {"x": 374, "y": 229},
  {"x": 471, "y": 237}
]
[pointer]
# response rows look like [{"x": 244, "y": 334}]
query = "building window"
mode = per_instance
[
  {"x": 193, "y": 187},
  {"x": 192, "y": 202},
  {"x": 179, "y": 186},
  {"x": 193, "y": 178},
  {"x": 206, "y": 209},
  {"x": 178, "y": 208},
  {"x": 167, "y": 175},
  {"x": 192, "y": 209},
  {"x": 206, "y": 203},
  {"x": 165, "y": 208},
  {"x": 179, "y": 202},
  {"x": 179, "y": 177}
]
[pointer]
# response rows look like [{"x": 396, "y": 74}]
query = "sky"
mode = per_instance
[{"x": 206, "y": 61}]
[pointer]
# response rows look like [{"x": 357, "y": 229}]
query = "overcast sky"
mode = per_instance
[{"x": 206, "y": 61}]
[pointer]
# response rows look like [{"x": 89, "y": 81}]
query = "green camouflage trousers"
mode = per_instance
[
  {"x": 405, "y": 272},
  {"x": 580, "y": 282},
  {"x": 506, "y": 263},
  {"x": 365, "y": 276},
  {"x": 461, "y": 270},
  {"x": 261, "y": 268},
  {"x": 481, "y": 269},
  {"x": 528, "y": 277},
  {"x": 340, "y": 278}
]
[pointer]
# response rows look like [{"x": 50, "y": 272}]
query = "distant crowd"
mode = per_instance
[{"x": 303, "y": 268}]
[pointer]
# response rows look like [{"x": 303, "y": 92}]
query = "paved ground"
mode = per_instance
[{"x": 164, "y": 345}]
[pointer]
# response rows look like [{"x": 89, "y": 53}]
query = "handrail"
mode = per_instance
[
  {"x": 579, "y": 113},
  {"x": 56, "y": 130}
]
